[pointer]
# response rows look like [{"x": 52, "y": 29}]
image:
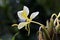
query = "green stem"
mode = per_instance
[
  {"x": 37, "y": 23},
  {"x": 53, "y": 37},
  {"x": 13, "y": 38}
]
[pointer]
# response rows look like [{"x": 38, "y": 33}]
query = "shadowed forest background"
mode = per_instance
[{"x": 8, "y": 16}]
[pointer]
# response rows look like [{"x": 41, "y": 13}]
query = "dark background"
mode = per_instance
[{"x": 8, "y": 16}]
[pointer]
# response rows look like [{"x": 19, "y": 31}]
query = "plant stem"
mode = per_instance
[
  {"x": 37, "y": 23},
  {"x": 13, "y": 38}
]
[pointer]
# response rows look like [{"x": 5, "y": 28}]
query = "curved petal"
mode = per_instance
[
  {"x": 56, "y": 18},
  {"x": 20, "y": 16},
  {"x": 26, "y": 9},
  {"x": 33, "y": 15},
  {"x": 58, "y": 15},
  {"x": 22, "y": 24}
]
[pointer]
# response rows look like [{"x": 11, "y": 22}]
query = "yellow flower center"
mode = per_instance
[
  {"x": 24, "y": 14},
  {"x": 28, "y": 20}
]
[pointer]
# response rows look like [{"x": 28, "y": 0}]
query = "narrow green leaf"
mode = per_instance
[
  {"x": 46, "y": 32},
  {"x": 13, "y": 38}
]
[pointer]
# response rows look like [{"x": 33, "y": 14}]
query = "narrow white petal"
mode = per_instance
[
  {"x": 47, "y": 24},
  {"x": 58, "y": 15},
  {"x": 19, "y": 15},
  {"x": 26, "y": 9},
  {"x": 22, "y": 24},
  {"x": 55, "y": 21},
  {"x": 33, "y": 15}
]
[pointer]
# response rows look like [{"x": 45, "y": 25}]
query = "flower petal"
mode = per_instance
[
  {"x": 20, "y": 16},
  {"x": 57, "y": 18},
  {"x": 33, "y": 15},
  {"x": 22, "y": 24},
  {"x": 26, "y": 9},
  {"x": 58, "y": 15}
]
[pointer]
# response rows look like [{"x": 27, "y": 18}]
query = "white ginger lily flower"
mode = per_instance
[{"x": 23, "y": 15}]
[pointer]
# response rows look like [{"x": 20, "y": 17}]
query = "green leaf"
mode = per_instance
[
  {"x": 13, "y": 38},
  {"x": 44, "y": 30}
]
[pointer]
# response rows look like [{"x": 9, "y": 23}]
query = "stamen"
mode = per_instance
[
  {"x": 15, "y": 25},
  {"x": 24, "y": 14}
]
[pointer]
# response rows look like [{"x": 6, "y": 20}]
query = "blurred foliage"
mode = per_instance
[
  {"x": 51, "y": 30},
  {"x": 8, "y": 14}
]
